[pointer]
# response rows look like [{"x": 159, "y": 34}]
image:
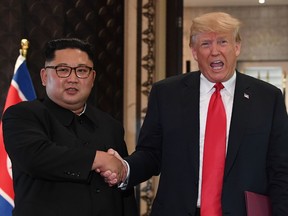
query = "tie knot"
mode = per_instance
[{"x": 218, "y": 86}]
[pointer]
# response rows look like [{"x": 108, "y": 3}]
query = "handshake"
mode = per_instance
[{"x": 111, "y": 167}]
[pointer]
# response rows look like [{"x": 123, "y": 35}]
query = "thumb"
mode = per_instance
[
  {"x": 115, "y": 153},
  {"x": 111, "y": 151}
]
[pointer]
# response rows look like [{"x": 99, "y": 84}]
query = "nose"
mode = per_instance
[
  {"x": 215, "y": 49},
  {"x": 73, "y": 76}
]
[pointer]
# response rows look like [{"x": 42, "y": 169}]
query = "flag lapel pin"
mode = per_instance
[{"x": 246, "y": 95}]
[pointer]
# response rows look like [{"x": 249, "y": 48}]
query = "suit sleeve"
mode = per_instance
[{"x": 146, "y": 160}]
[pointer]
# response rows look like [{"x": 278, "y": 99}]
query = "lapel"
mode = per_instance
[
  {"x": 190, "y": 117},
  {"x": 239, "y": 119}
]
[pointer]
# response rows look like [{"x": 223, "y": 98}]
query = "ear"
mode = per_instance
[
  {"x": 237, "y": 48},
  {"x": 94, "y": 77},
  {"x": 43, "y": 75},
  {"x": 194, "y": 53}
]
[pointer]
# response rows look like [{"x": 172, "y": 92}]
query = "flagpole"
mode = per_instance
[{"x": 24, "y": 47}]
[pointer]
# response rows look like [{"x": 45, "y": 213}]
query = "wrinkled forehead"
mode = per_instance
[
  {"x": 211, "y": 36},
  {"x": 214, "y": 35}
]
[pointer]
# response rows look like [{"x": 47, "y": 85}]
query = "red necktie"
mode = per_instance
[{"x": 214, "y": 156}]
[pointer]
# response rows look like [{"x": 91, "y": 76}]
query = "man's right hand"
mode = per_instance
[{"x": 111, "y": 166}]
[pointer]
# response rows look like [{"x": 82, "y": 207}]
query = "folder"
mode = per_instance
[{"x": 257, "y": 204}]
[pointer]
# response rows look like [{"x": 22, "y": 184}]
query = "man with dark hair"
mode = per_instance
[{"x": 56, "y": 144}]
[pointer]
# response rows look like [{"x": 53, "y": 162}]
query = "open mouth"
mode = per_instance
[
  {"x": 71, "y": 90},
  {"x": 217, "y": 65}
]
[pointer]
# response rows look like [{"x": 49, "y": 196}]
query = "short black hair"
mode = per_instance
[{"x": 64, "y": 43}]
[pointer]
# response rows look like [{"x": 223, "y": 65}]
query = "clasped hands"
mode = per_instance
[{"x": 111, "y": 167}]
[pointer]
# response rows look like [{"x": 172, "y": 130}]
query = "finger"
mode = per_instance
[
  {"x": 106, "y": 174},
  {"x": 116, "y": 154},
  {"x": 112, "y": 182},
  {"x": 112, "y": 176},
  {"x": 111, "y": 151}
]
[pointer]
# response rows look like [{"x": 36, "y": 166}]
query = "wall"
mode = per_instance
[
  {"x": 264, "y": 31},
  {"x": 99, "y": 22},
  {"x": 134, "y": 78}
]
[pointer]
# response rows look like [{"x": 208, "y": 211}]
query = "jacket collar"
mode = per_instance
[{"x": 66, "y": 116}]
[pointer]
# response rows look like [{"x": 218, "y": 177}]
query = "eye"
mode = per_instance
[
  {"x": 223, "y": 42},
  {"x": 82, "y": 70},
  {"x": 63, "y": 69},
  {"x": 205, "y": 44}
]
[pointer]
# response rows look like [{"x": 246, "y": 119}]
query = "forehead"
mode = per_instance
[
  {"x": 71, "y": 56},
  {"x": 64, "y": 53},
  {"x": 213, "y": 35}
]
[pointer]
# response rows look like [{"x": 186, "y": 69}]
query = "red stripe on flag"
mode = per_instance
[
  {"x": 6, "y": 172},
  {"x": 12, "y": 98},
  {"x": 6, "y": 182}
]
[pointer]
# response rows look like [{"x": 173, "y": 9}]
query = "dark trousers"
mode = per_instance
[{"x": 197, "y": 213}]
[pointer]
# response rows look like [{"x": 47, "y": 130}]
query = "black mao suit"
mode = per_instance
[
  {"x": 257, "y": 154},
  {"x": 52, "y": 151}
]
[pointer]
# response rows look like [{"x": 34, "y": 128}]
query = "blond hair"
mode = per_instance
[{"x": 218, "y": 22}]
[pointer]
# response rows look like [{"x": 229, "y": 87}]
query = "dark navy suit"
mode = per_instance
[{"x": 257, "y": 154}]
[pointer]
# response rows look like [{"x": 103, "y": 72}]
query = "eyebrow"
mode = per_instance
[{"x": 65, "y": 64}]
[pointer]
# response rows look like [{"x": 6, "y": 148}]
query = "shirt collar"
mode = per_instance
[
  {"x": 84, "y": 109},
  {"x": 207, "y": 86}
]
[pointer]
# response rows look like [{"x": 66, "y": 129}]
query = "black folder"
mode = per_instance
[{"x": 257, "y": 204}]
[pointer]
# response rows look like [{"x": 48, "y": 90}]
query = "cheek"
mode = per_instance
[
  {"x": 90, "y": 85},
  {"x": 234, "y": 52},
  {"x": 232, "y": 56},
  {"x": 202, "y": 55},
  {"x": 89, "y": 82},
  {"x": 53, "y": 84}
]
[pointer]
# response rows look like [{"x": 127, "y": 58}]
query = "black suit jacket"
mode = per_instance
[
  {"x": 257, "y": 155},
  {"x": 52, "y": 151}
]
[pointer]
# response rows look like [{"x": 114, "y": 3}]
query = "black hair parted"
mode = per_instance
[{"x": 64, "y": 43}]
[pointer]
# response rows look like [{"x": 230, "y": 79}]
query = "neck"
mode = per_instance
[{"x": 80, "y": 111}]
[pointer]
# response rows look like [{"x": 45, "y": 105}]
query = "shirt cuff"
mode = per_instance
[{"x": 123, "y": 185}]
